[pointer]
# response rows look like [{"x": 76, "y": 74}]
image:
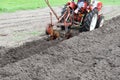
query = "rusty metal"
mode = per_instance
[
  {"x": 62, "y": 21},
  {"x": 67, "y": 20},
  {"x": 53, "y": 34},
  {"x": 62, "y": 16},
  {"x": 51, "y": 18},
  {"x": 68, "y": 34}
]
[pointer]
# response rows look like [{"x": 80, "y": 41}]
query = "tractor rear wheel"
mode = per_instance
[
  {"x": 63, "y": 9},
  {"x": 100, "y": 21},
  {"x": 90, "y": 20}
]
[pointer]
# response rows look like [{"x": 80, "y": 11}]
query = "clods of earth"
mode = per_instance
[{"x": 93, "y": 55}]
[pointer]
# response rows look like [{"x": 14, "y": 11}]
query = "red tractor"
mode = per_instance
[{"x": 88, "y": 17}]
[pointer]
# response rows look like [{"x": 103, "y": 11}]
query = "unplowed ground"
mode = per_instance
[
  {"x": 26, "y": 26},
  {"x": 91, "y": 55}
]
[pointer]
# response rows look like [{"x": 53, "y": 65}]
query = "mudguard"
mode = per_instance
[{"x": 98, "y": 5}]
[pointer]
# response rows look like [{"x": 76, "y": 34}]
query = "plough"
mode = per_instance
[{"x": 88, "y": 18}]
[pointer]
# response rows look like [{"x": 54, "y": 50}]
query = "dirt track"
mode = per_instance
[
  {"x": 25, "y": 26},
  {"x": 91, "y": 55}
]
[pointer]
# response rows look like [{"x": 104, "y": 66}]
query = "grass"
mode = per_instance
[
  {"x": 14, "y": 5},
  {"x": 111, "y": 2}
]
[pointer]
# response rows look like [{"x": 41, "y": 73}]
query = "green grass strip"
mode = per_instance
[{"x": 14, "y": 5}]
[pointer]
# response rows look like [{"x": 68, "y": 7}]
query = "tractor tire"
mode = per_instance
[
  {"x": 63, "y": 9},
  {"x": 100, "y": 21},
  {"x": 90, "y": 20},
  {"x": 62, "y": 28}
]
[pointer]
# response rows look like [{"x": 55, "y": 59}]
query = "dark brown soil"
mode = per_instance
[
  {"x": 8, "y": 56},
  {"x": 12, "y": 55},
  {"x": 91, "y": 55}
]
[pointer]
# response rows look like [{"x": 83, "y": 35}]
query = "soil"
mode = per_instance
[
  {"x": 89, "y": 56},
  {"x": 93, "y": 55}
]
